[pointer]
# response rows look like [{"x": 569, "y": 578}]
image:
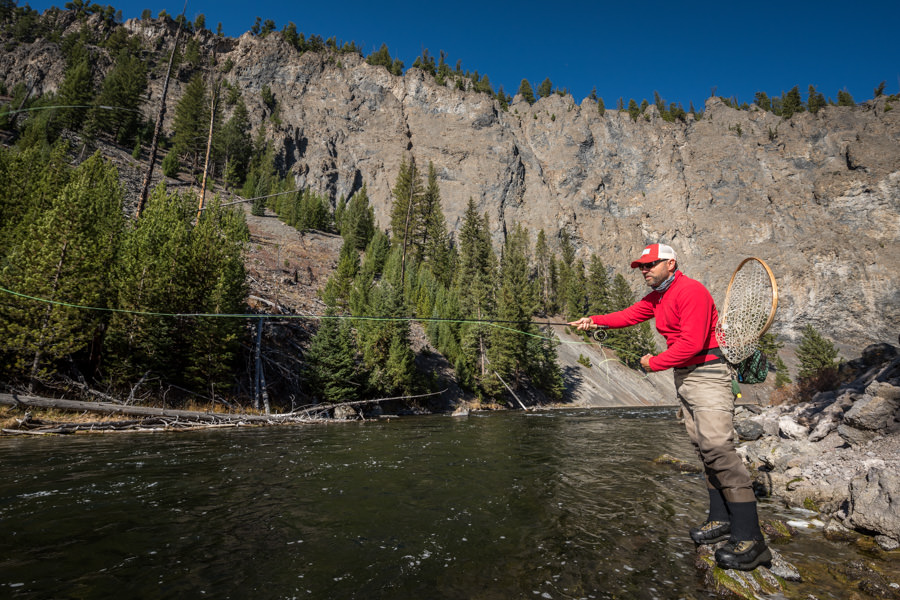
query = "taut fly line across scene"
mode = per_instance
[{"x": 750, "y": 304}]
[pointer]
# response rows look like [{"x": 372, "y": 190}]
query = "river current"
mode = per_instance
[{"x": 555, "y": 504}]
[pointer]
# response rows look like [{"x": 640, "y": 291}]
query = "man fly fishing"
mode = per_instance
[{"x": 686, "y": 317}]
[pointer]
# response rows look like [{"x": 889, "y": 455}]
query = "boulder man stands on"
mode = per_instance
[{"x": 686, "y": 316}]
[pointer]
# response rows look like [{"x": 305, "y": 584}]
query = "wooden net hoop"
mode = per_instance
[{"x": 750, "y": 305}]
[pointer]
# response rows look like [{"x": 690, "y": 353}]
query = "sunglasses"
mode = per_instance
[{"x": 650, "y": 265}]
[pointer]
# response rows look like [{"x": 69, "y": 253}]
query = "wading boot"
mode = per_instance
[
  {"x": 743, "y": 555},
  {"x": 711, "y": 532},
  {"x": 718, "y": 524}
]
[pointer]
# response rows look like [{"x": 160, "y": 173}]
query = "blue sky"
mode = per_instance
[{"x": 623, "y": 49}]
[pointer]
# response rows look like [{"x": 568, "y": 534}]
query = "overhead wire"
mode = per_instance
[{"x": 496, "y": 323}]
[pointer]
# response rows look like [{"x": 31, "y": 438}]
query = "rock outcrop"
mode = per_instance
[{"x": 838, "y": 454}]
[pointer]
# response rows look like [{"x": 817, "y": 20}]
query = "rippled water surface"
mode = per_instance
[{"x": 563, "y": 504}]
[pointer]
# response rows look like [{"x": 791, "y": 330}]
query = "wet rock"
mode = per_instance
[
  {"x": 760, "y": 582},
  {"x": 678, "y": 464},
  {"x": 345, "y": 413},
  {"x": 374, "y": 412},
  {"x": 777, "y": 530},
  {"x": 887, "y": 543},
  {"x": 782, "y": 568},
  {"x": 836, "y": 532},
  {"x": 866, "y": 578}
]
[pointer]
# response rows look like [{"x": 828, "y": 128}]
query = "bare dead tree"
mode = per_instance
[{"x": 145, "y": 190}]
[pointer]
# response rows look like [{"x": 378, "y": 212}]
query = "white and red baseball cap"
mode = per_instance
[{"x": 653, "y": 253}]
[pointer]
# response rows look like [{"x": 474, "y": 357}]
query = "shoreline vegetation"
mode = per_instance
[{"x": 33, "y": 415}]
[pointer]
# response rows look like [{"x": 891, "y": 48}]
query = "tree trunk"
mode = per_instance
[
  {"x": 39, "y": 352},
  {"x": 145, "y": 190}
]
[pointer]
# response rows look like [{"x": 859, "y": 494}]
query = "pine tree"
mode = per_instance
[
  {"x": 435, "y": 244},
  {"x": 330, "y": 362},
  {"x": 516, "y": 302},
  {"x": 385, "y": 343},
  {"x": 814, "y": 100},
  {"x": 598, "y": 302},
  {"x": 762, "y": 100},
  {"x": 337, "y": 291},
  {"x": 791, "y": 103},
  {"x": 771, "y": 347},
  {"x": 527, "y": 356},
  {"x": 75, "y": 94},
  {"x": 216, "y": 285},
  {"x": 576, "y": 291},
  {"x": 123, "y": 89},
  {"x": 191, "y": 123},
  {"x": 845, "y": 99},
  {"x": 145, "y": 280},
  {"x": 543, "y": 262},
  {"x": 564, "y": 271},
  {"x": 358, "y": 220},
  {"x": 407, "y": 221},
  {"x": 633, "y": 110},
  {"x": 816, "y": 353},
  {"x": 236, "y": 145},
  {"x": 526, "y": 92},
  {"x": 169, "y": 266},
  {"x": 29, "y": 181},
  {"x": 545, "y": 89},
  {"x": 633, "y": 342},
  {"x": 373, "y": 263},
  {"x": 62, "y": 255},
  {"x": 474, "y": 286}
]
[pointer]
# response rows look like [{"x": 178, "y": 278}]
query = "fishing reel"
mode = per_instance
[{"x": 599, "y": 334}]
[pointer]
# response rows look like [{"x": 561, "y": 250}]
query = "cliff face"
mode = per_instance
[{"x": 816, "y": 196}]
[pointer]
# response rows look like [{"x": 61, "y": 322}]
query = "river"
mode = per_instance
[{"x": 555, "y": 504}]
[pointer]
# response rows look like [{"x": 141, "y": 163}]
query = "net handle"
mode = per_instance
[{"x": 774, "y": 290}]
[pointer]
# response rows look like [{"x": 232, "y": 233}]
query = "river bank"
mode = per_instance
[{"x": 838, "y": 454}]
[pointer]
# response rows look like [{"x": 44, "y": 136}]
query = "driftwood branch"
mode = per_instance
[
  {"x": 154, "y": 419},
  {"x": 121, "y": 409},
  {"x": 316, "y": 408}
]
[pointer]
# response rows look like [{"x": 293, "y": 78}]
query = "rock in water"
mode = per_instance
[{"x": 751, "y": 585}]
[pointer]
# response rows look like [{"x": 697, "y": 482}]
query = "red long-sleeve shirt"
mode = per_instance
[{"x": 685, "y": 315}]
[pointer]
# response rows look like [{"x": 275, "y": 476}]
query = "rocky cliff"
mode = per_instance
[{"x": 816, "y": 196}]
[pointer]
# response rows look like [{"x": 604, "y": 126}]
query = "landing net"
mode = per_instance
[{"x": 750, "y": 304}]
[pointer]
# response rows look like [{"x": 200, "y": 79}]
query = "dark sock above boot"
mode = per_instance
[
  {"x": 744, "y": 521},
  {"x": 717, "y": 509}
]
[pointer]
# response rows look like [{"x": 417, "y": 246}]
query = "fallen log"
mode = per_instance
[{"x": 145, "y": 411}]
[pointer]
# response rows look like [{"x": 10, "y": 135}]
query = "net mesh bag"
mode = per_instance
[
  {"x": 753, "y": 369},
  {"x": 748, "y": 311}
]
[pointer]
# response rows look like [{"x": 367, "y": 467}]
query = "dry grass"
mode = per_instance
[
  {"x": 805, "y": 389},
  {"x": 10, "y": 417}
]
